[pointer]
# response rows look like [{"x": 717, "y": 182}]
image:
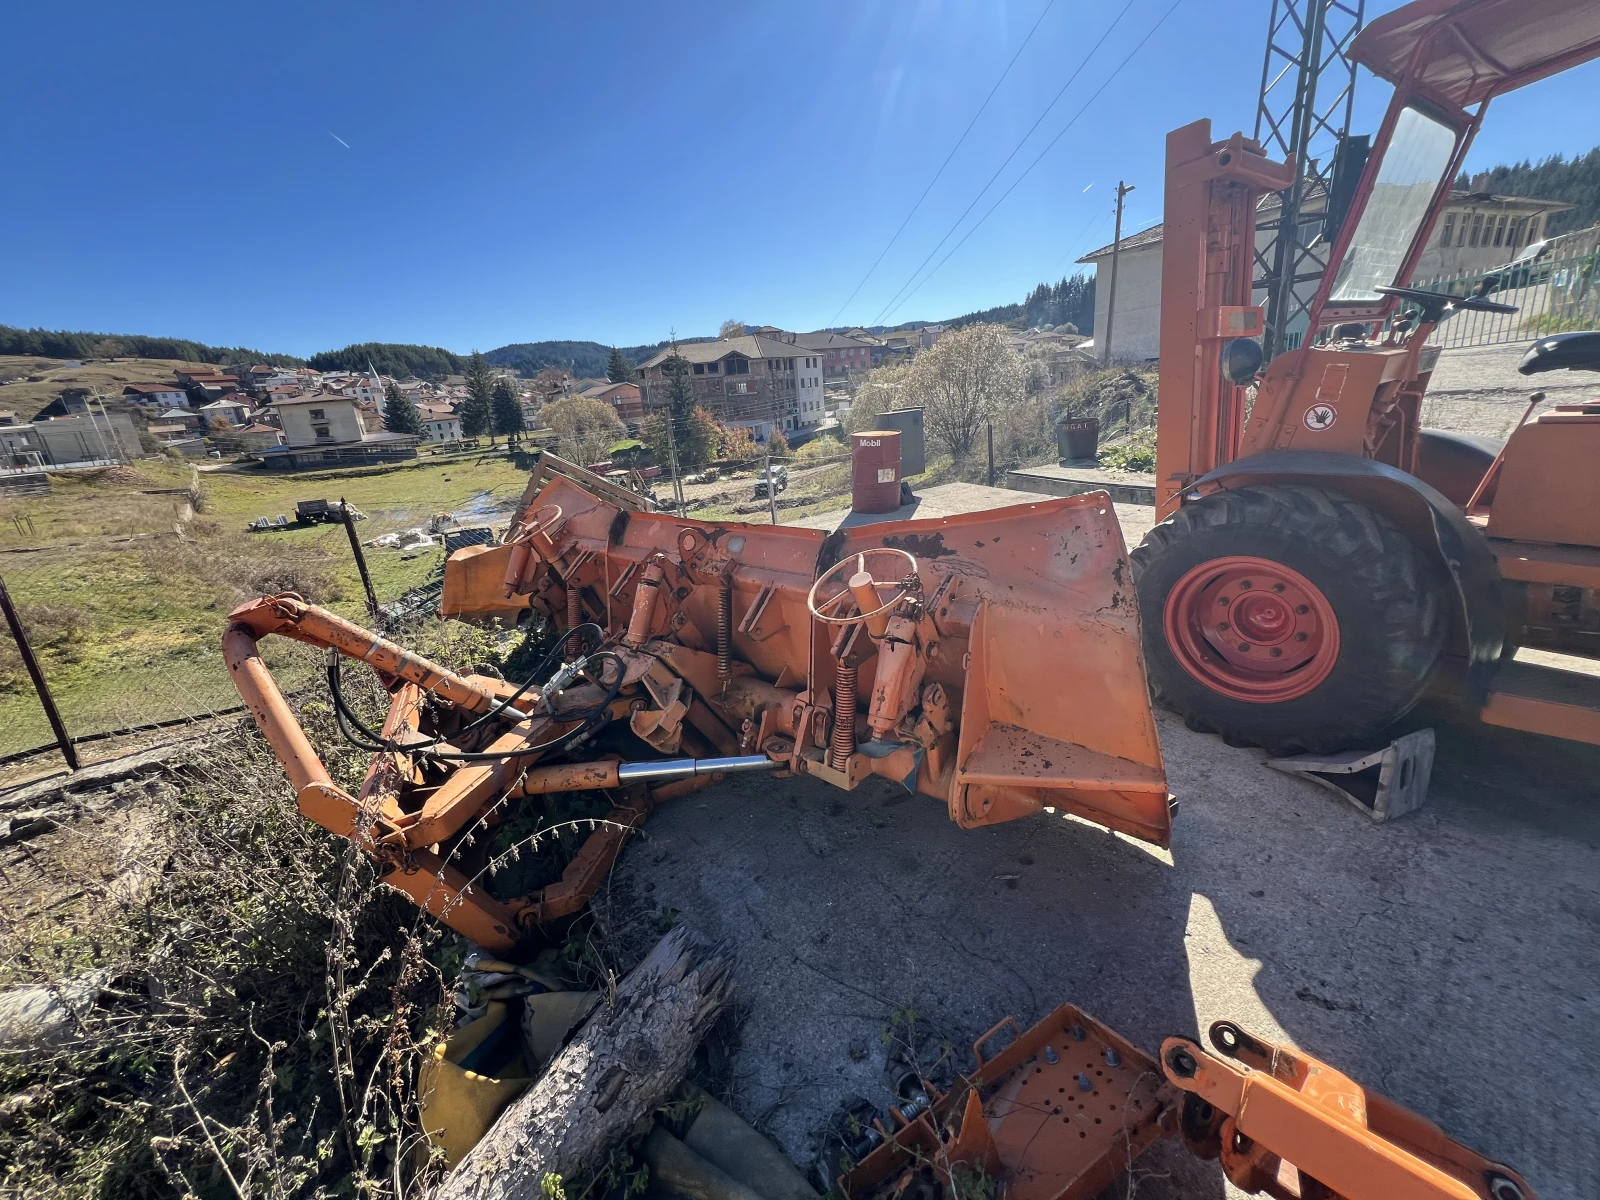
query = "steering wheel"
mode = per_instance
[
  {"x": 1435, "y": 304},
  {"x": 538, "y": 523},
  {"x": 860, "y": 581}
]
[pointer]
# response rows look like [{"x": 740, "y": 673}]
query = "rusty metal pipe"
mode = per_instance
[
  {"x": 261, "y": 696},
  {"x": 516, "y": 567},
  {"x": 294, "y": 618},
  {"x": 644, "y": 604},
  {"x": 867, "y": 599}
]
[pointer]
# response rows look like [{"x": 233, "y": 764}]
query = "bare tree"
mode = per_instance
[
  {"x": 969, "y": 376},
  {"x": 587, "y": 428},
  {"x": 731, "y": 329}
]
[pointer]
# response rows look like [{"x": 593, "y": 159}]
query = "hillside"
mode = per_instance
[
  {"x": 29, "y": 382},
  {"x": 586, "y": 360},
  {"x": 66, "y": 344},
  {"x": 391, "y": 358},
  {"x": 1575, "y": 180}
]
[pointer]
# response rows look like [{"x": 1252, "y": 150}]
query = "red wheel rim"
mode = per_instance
[{"x": 1252, "y": 629}]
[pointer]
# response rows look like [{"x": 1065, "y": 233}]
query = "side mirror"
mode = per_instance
[{"x": 1241, "y": 359}]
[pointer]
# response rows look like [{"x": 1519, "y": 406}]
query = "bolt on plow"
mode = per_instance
[{"x": 989, "y": 661}]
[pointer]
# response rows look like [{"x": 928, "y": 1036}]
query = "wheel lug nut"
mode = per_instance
[
  {"x": 1275, "y": 652},
  {"x": 1244, "y": 583},
  {"x": 1244, "y": 647},
  {"x": 1299, "y": 637},
  {"x": 1277, "y": 587},
  {"x": 1222, "y": 599},
  {"x": 1223, "y": 628},
  {"x": 1302, "y": 609}
]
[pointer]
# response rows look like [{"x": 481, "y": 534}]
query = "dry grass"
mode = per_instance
[{"x": 31, "y": 383}]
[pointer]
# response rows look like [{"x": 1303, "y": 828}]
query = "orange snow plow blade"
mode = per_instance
[{"x": 989, "y": 661}]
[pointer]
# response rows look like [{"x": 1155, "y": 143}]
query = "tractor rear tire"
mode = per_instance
[{"x": 1287, "y": 617}]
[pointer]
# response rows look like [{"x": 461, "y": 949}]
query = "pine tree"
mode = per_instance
[
  {"x": 505, "y": 410},
  {"x": 477, "y": 413},
  {"x": 618, "y": 368},
  {"x": 680, "y": 395},
  {"x": 399, "y": 414}
]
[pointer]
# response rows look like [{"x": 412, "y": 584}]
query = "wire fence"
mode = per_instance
[
  {"x": 1550, "y": 295},
  {"x": 126, "y": 626}
]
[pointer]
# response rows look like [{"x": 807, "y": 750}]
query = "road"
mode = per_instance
[{"x": 1451, "y": 959}]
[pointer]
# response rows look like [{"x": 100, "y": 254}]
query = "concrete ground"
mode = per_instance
[
  {"x": 1450, "y": 960},
  {"x": 1478, "y": 390}
]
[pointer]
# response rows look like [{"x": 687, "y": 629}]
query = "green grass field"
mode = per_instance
[{"x": 127, "y": 616}]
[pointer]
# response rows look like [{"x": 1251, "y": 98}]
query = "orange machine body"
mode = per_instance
[{"x": 1351, "y": 393}]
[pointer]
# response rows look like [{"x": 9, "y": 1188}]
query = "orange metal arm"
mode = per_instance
[{"x": 1278, "y": 1106}]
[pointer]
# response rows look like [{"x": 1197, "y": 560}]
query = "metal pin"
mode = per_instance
[
  {"x": 1050, "y": 1055},
  {"x": 1077, "y": 1033},
  {"x": 1085, "y": 1084},
  {"x": 1113, "y": 1059}
]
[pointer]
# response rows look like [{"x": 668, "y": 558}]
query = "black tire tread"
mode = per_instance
[{"x": 1374, "y": 554}]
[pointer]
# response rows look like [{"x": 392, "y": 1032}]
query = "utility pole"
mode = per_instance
[
  {"x": 672, "y": 459},
  {"x": 1116, "y": 252}
]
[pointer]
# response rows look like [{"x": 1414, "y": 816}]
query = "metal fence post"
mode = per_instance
[
  {"x": 361, "y": 559},
  {"x": 46, "y": 701}
]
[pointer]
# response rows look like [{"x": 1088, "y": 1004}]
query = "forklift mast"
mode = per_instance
[{"x": 1359, "y": 394}]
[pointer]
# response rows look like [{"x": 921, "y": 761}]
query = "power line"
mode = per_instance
[
  {"x": 1054, "y": 100},
  {"x": 1048, "y": 147},
  {"x": 946, "y": 163}
]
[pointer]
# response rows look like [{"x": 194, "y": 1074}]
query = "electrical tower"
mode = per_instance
[{"x": 1308, "y": 84}]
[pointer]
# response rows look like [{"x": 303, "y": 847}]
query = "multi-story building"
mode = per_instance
[
  {"x": 842, "y": 356},
  {"x": 622, "y": 398},
  {"x": 759, "y": 383}
]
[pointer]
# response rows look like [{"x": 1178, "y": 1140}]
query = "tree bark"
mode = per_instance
[{"x": 604, "y": 1086}]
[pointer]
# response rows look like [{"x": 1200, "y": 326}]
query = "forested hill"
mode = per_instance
[
  {"x": 61, "y": 343},
  {"x": 391, "y": 358},
  {"x": 1575, "y": 180},
  {"x": 586, "y": 360}
]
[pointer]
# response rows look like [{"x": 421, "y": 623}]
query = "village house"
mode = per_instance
[
  {"x": 622, "y": 398},
  {"x": 755, "y": 382},
  {"x": 1475, "y": 232},
  {"x": 88, "y": 437},
  {"x": 167, "y": 395},
  {"x": 327, "y": 428},
  {"x": 439, "y": 423},
  {"x": 231, "y": 410}
]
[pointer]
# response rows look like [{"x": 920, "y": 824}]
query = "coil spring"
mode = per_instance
[
  {"x": 574, "y": 616},
  {"x": 843, "y": 743},
  {"x": 725, "y": 632}
]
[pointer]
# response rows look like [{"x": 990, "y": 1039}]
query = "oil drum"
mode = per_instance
[
  {"x": 1077, "y": 438},
  {"x": 875, "y": 484}
]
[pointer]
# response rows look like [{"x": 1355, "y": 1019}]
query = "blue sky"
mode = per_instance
[{"x": 296, "y": 176}]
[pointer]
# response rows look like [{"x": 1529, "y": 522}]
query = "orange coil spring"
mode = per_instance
[
  {"x": 574, "y": 617},
  {"x": 844, "y": 717},
  {"x": 725, "y": 631}
]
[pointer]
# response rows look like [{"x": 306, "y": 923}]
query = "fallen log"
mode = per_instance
[{"x": 606, "y": 1085}]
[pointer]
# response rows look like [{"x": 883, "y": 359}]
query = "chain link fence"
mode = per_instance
[{"x": 126, "y": 622}]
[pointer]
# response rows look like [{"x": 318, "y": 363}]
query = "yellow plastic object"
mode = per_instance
[{"x": 459, "y": 1105}]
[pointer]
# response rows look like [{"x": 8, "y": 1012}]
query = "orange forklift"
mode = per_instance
[{"x": 1321, "y": 559}]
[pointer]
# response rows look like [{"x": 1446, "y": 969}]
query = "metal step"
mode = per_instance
[{"x": 1548, "y": 700}]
